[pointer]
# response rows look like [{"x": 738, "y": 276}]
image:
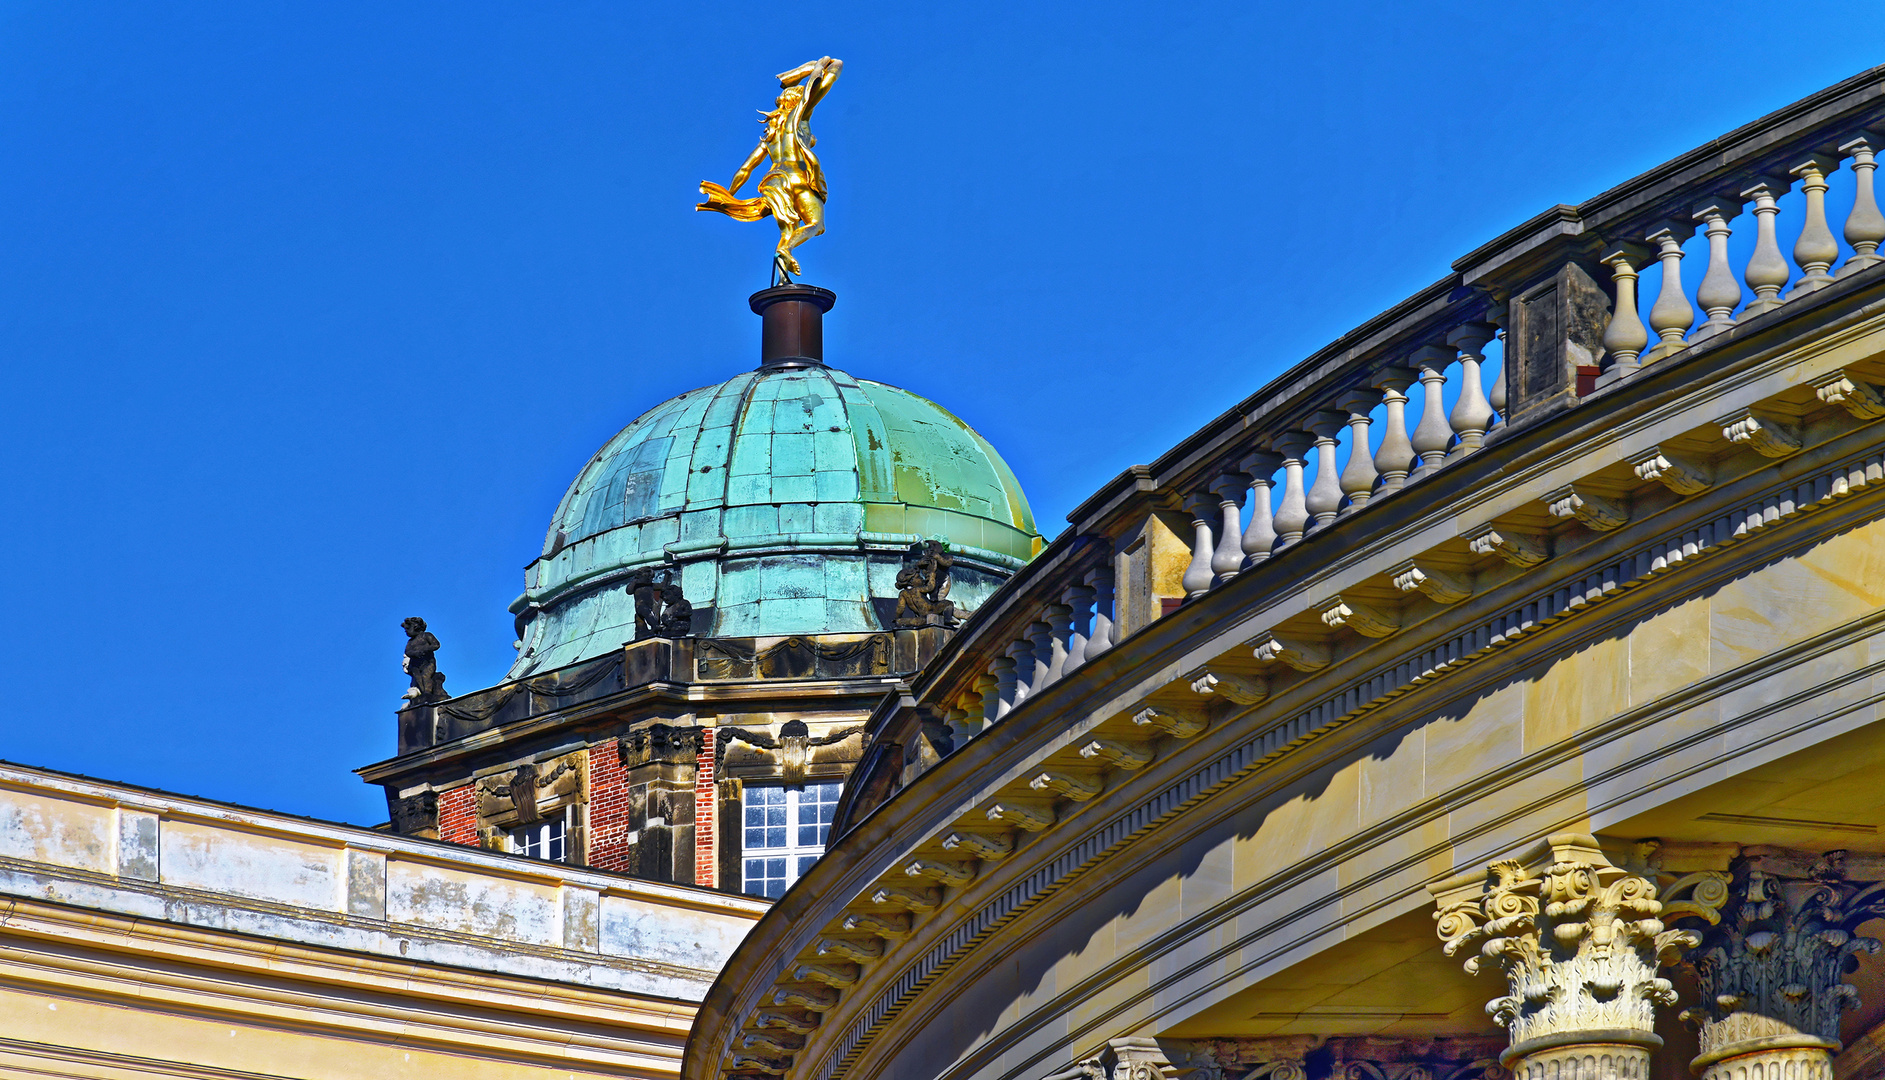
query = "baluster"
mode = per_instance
[
  {"x": 1432, "y": 437},
  {"x": 1358, "y": 476},
  {"x": 1021, "y": 658},
  {"x": 1625, "y": 337},
  {"x": 1865, "y": 226},
  {"x": 1325, "y": 497},
  {"x": 1396, "y": 455},
  {"x": 1816, "y": 249},
  {"x": 1198, "y": 576},
  {"x": 1720, "y": 292},
  {"x": 1059, "y": 627},
  {"x": 1080, "y": 627},
  {"x": 1495, "y": 394},
  {"x": 1472, "y": 413},
  {"x": 1041, "y": 637},
  {"x": 1260, "y": 534},
  {"x": 1292, "y": 516},
  {"x": 1671, "y": 315},
  {"x": 1008, "y": 689},
  {"x": 1100, "y": 579},
  {"x": 1767, "y": 268},
  {"x": 1229, "y": 488},
  {"x": 989, "y": 687}
]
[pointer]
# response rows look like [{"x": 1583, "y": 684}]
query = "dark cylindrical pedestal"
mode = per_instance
[{"x": 793, "y": 331}]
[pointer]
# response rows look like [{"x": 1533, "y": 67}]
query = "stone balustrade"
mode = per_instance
[{"x": 1524, "y": 328}]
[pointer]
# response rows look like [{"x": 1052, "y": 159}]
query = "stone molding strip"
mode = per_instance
[{"x": 1780, "y": 503}]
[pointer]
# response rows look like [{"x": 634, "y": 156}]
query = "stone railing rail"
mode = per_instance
[{"x": 1554, "y": 299}]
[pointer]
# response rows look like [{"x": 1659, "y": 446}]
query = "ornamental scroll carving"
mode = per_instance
[{"x": 1580, "y": 942}]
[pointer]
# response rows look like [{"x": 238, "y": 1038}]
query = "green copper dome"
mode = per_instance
[{"x": 782, "y": 500}]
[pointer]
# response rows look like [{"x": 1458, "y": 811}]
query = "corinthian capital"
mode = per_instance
[
  {"x": 1578, "y": 939},
  {"x": 1773, "y": 972}
]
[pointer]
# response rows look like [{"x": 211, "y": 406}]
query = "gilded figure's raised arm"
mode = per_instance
[{"x": 823, "y": 72}]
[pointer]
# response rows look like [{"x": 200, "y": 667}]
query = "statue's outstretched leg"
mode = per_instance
[{"x": 811, "y": 222}]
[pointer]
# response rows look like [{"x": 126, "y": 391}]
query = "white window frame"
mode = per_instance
[
  {"x": 549, "y": 834},
  {"x": 795, "y": 856}
]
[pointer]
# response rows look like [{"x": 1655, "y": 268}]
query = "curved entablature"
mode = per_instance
[{"x": 1173, "y": 671}]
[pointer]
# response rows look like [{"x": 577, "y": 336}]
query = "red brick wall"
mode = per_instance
[
  {"x": 608, "y": 809},
  {"x": 458, "y": 816},
  {"x": 706, "y": 809}
]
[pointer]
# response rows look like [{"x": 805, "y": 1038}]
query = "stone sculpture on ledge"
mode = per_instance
[
  {"x": 923, "y": 587},
  {"x": 661, "y": 609},
  {"x": 428, "y": 683}
]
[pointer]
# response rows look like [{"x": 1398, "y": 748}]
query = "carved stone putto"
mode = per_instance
[
  {"x": 1579, "y": 941},
  {"x": 660, "y": 608},
  {"x": 428, "y": 683},
  {"x": 923, "y": 587}
]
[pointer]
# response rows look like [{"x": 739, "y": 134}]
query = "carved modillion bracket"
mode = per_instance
[
  {"x": 1126, "y": 755},
  {"x": 1339, "y": 611},
  {"x": 1594, "y": 511},
  {"x": 949, "y": 873},
  {"x": 1766, "y": 436},
  {"x": 1072, "y": 785},
  {"x": 1520, "y": 549},
  {"x": 1680, "y": 474},
  {"x": 1436, "y": 585},
  {"x": 1178, "y": 723},
  {"x": 918, "y": 900},
  {"x": 985, "y": 846},
  {"x": 1242, "y": 689},
  {"x": 871, "y": 922},
  {"x": 1032, "y": 816},
  {"x": 1861, "y": 399},
  {"x": 1299, "y": 653}
]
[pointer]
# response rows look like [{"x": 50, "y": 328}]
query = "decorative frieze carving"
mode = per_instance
[
  {"x": 1765, "y": 436},
  {"x": 1593, "y": 510},
  {"x": 1436, "y": 585},
  {"x": 1579, "y": 942},
  {"x": 1673, "y": 471},
  {"x": 1859, "y": 398},
  {"x": 1520, "y": 549},
  {"x": 1772, "y": 973},
  {"x": 1178, "y": 723},
  {"x": 531, "y": 791},
  {"x": 1299, "y": 653},
  {"x": 1339, "y": 611},
  {"x": 1241, "y": 689}
]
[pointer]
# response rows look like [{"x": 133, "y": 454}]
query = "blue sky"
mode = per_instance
[{"x": 310, "y": 312}]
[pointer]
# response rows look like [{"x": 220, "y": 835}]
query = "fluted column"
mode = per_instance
[
  {"x": 1720, "y": 291},
  {"x": 1672, "y": 314},
  {"x": 1626, "y": 336},
  {"x": 1816, "y": 249},
  {"x": 1396, "y": 455},
  {"x": 1292, "y": 513},
  {"x": 1772, "y": 972},
  {"x": 1324, "y": 499},
  {"x": 1359, "y": 475},
  {"x": 1767, "y": 268},
  {"x": 1580, "y": 943},
  {"x": 1472, "y": 413},
  {"x": 1080, "y": 627},
  {"x": 1865, "y": 226},
  {"x": 1198, "y": 575},
  {"x": 1432, "y": 436},
  {"x": 1260, "y": 535},
  {"x": 1228, "y": 557}
]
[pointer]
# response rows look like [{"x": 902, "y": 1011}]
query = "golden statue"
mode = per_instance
[{"x": 793, "y": 189}]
